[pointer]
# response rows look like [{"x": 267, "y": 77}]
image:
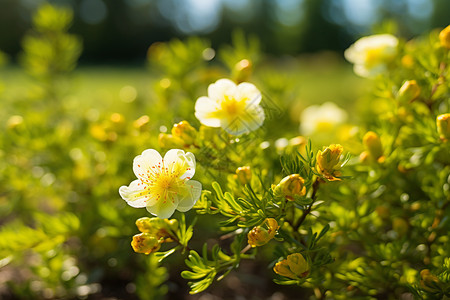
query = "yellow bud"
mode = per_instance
[
  {"x": 149, "y": 225},
  {"x": 145, "y": 243},
  {"x": 444, "y": 37},
  {"x": 298, "y": 143},
  {"x": 409, "y": 91},
  {"x": 185, "y": 132},
  {"x": 443, "y": 126},
  {"x": 372, "y": 143},
  {"x": 364, "y": 157},
  {"x": 242, "y": 70},
  {"x": 298, "y": 264},
  {"x": 415, "y": 206},
  {"x": 169, "y": 141},
  {"x": 428, "y": 281},
  {"x": 294, "y": 266},
  {"x": 258, "y": 236},
  {"x": 244, "y": 174},
  {"x": 117, "y": 118},
  {"x": 141, "y": 122},
  {"x": 14, "y": 121},
  {"x": 282, "y": 268},
  {"x": 156, "y": 227},
  {"x": 261, "y": 235},
  {"x": 328, "y": 161},
  {"x": 98, "y": 132},
  {"x": 165, "y": 83},
  {"x": 408, "y": 61},
  {"x": 290, "y": 186}
]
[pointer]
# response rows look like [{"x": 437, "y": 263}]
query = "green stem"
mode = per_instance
[{"x": 309, "y": 208}]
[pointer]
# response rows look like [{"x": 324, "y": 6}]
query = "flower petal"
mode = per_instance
[
  {"x": 192, "y": 194},
  {"x": 221, "y": 87},
  {"x": 136, "y": 194},
  {"x": 143, "y": 164},
  {"x": 245, "y": 122},
  {"x": 162, "y": 209},
  {"x": 177, "y": 161},
  {"x": 206, "y": 112},
  {"x": 249, "y": 93}
]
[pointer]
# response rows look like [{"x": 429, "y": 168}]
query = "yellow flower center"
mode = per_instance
[
  {"x": 232, "y": 107},
  {"x": 163, "y": 181},
  {"x": 373, "y": 56}
]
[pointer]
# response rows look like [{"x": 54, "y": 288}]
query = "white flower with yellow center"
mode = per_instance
[
  {"x": 371, "y": 54},
  {"x": 321, "y": 118},
  {"x": 163, "y": 184},
  {"x": 233, "y": 107}
]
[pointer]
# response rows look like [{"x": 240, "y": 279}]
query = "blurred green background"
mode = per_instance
[{"x": 122, "y": 30}]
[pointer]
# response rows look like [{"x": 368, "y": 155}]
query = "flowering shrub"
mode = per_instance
[{"x": 363, "y": 215}]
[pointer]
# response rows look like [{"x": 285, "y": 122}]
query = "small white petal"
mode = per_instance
[
  {"x": 206, "y": 112},
  {"x": 162, "y": 210},
  {"x": 221, "y": 87},
  {"x": 136, "y": 194},
  {"x": 177, "y": 161},
  {"x": 144, "y": 163},
  {"x": 248, "y": 121},
  {"x": 191, "y": 195},
  {"x": 249, "y": 92},
  {"x": 189, "y": 159}
]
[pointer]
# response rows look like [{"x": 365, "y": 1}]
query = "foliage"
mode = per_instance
[{"x": 369, "y": 219}]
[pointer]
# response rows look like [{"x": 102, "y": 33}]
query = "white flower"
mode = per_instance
[
  {"x": 234, "y": 108},
  {"x": 371, "y": 54},
  {"x": 163, "y": 185},
  {"x": 323, "y": 117}
]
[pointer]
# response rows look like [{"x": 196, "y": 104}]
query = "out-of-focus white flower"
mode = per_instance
[
  {"x": 371, "y": 54},
  {"x": 233, "y": 107},
  {"x": 163, "y": 185},
  {"x": 316, "y": 118},
  {"x": 281, "y": 144}
]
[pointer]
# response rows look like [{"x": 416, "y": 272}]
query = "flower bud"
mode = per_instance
[
  {"x": 364, "y": 157},
  {"x": 409, "y": 91},
  {"x": 328, "y": 161},
  {"x": 444, "y": 37},
  {"x": 372, "y": 143},
  {"x": 145, "y": 243},
  {"x": 156, "y": 227},
  {"x": 169, "y": 141},
  {"x": 149, "y": 225},
  {"x": 185, "y": 132},
  {"x": 428, "y": 281},
  {"x": 294, "y": 266},
  {"x": 408, "y": 61},
  {"x": 261, "y": 235},
  {"x": 141, "y": 122},
  {"x": 14, "y": 121},
  {"x": 117, "y": 118},
  {"x": 244, "y": 175},
  {"x": 290, "y": 186},
  {"x": 242, "y": 70},
  {"x": 443, "y": 126}
]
